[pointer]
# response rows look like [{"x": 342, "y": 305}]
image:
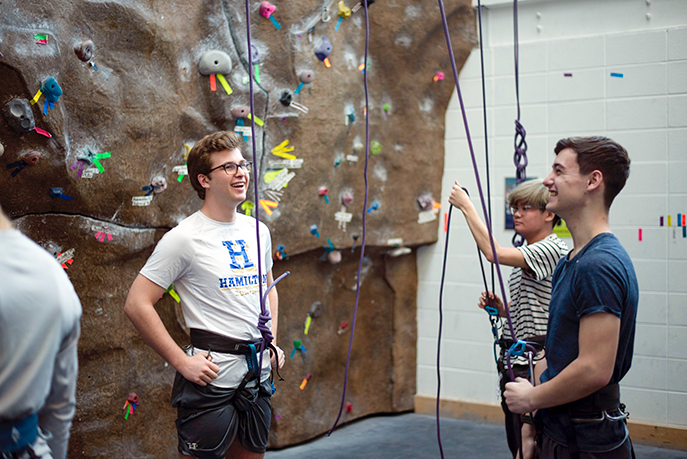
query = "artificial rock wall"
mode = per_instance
[{"x": 82, "y": 177}]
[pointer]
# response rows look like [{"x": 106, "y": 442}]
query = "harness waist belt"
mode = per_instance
[
  {"x": 537, "y": 342},
  {"x": 592, "y": 408},
  {"x": 605, "y": 399},
  {"x": 15, "y": 435},
  {"x": 204, "y": 339}
]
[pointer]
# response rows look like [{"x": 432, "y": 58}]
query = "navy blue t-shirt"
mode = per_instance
[{"x": 601, "y": 278}]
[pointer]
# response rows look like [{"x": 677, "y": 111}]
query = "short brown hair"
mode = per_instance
[
  {"x": 531, "y": 193},
  {"x": 199, "y": 156},
  {"x": 604, "y": 155}
]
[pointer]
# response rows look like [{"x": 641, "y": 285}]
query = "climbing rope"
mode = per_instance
[
  {"x": 362, "y": 249},
  {"x": 494, "y": 318},
  {"x": 518, "y": 347},
  {"x": 264, "y": 315},
  {"x": 519, "y": 143}
]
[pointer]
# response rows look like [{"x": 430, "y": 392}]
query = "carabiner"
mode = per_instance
[{"x": 326, "y": 17}]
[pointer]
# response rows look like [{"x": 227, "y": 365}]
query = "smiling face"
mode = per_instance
[
  {"x": 566, "y": 185},
  {"x": 228, "y": 188}
]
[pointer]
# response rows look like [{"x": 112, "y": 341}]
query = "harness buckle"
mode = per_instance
[
  {"x": 604, "y": 416},
  {"x": 518, "y": 348},
  {"x": 492, "y": 310}
]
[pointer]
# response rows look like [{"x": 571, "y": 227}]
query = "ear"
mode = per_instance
[
  {"x": 204, "y": 180},
  {"x": 595, "y": 180},
  {"x": 549, "y": 216}
]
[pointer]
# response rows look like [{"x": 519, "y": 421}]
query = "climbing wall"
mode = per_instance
[{"x": 101, "y": 101}]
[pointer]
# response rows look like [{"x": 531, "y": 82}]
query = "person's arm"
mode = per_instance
[
  {"x": 539, "y": 368},
  {"x": 140, "y": 309},
  {"x": 57, "y": 413},
  {"x": 509, "y": 256},
  {"x": 273, "y": 298},
  {"x": 591, "y": 370},
  {"x": 274, "y": 313}
]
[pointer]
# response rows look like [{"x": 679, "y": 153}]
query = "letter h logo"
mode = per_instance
[{"x": 234, "y": 254}]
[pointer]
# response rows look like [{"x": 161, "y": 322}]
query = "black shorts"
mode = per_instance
[
  {"x": 551, "y": 449},
  {"x": 210, "y": 418}
]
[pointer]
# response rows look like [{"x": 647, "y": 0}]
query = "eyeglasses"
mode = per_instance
[
  {"x": 232, "y": 168},
  {"x": 523, "y": 209}
]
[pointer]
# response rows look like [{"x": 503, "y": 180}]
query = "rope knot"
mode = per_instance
[
  {"x": 265, "y": 331},
  {"x": 520, "y": 155}
]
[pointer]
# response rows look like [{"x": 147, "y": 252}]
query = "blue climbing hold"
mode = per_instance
[{"x": 51, "y": 89}]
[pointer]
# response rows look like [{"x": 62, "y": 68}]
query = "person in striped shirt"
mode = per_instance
[{"x": 529, "y": 284}]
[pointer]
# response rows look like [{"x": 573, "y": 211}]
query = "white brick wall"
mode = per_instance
[{"x": 645, "y": 110}]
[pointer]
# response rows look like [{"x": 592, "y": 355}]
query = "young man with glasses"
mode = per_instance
[
  {"x": 593, "y": 312},
  {"x": 529, "y": 284},
  {"x": 212, "y": 259}
]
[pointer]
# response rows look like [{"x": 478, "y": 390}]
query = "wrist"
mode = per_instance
[
  {"x": 532, "y": 399},
  {"x": 178, "y": 360}
]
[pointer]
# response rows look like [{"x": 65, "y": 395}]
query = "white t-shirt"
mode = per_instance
[
  {"x": 39, "y": 333},
  {"x": 214, "y": 268}
]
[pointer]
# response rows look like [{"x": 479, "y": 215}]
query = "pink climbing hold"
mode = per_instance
[{"x": 266, "y": 9}]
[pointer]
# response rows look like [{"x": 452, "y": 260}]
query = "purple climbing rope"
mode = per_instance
[
  {"x": 519, "y": 143},
  {"x": 474, "y": 161},
  {"x": 362, "y": 249},
  {"x": 493, "y": 319},
  {"x": 264, "y": 316},
  {"x": 441, "y": 322},
  {"x": 484, "y": 209}
]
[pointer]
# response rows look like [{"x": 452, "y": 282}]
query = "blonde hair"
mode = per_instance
[{"x": 531, "y": 193}]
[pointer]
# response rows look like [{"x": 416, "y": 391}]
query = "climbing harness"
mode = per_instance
[
  {"x": 17, "y": 436},
  {"x": 602, "y": 405},
  {"x": 203, "y": 339},
  {"x": 362, "y": 248}
]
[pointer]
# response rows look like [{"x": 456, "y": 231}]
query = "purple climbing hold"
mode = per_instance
[{"x": 324, "y": 50}]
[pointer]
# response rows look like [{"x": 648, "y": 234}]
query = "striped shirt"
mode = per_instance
[{"x": 530, "y": 289}]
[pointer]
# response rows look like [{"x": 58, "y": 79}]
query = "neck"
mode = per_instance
[
  {"x": 585, "y": 227},
  {"x": 542, "y": 234},
  {"x": 219, "y": 211},
  {"x": 5, "y": 223}
]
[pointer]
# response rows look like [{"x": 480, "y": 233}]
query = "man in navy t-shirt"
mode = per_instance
[{"x": 592, "y": 313}]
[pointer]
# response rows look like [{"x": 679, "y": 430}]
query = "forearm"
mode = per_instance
[
  {"x": 58, "y": 411},
  {"x": 590, "y": 371},
  {"x": 479, "y": 231},
  {"x": 539, "y": 368},
  {"x": 274, "y": 312},
  {"x": 576, "y": 381},
  {"x": 508, "y": 256}
]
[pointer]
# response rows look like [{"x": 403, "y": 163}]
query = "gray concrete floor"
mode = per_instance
[{"x": 414, "y": 436}]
